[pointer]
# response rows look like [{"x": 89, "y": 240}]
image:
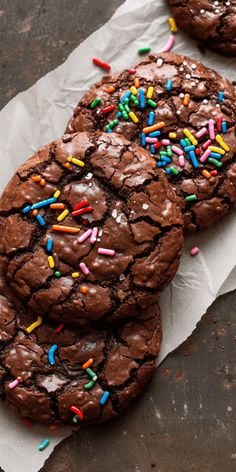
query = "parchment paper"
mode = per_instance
[{"x": 40, "y": 114}]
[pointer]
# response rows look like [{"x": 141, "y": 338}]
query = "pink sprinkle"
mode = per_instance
[
  {"x": 151, "y": 140},
  {"x": 201, "y": 133},
  {"x": 205, "y": 155},
  {"x": 84, "y": 268},
  {"x": 212, "y": 129},
  {"x": 132, "y": 71},
  {"x": 165, "y": 142},
  {"x": 93, "y": 238},
  {"x": 177, "y": 150},
  {"x": 206, "y": 144},
  {"x": 85, "y": 236},
  {"x": 181, "y": 161},
  {"x": 194, "y": 251},
  {"x": 219, "y": 120},
  {"x": 169, "y": 45},
  {"x": 13, "y": 384},
  {"x": 106, "y": 252}
]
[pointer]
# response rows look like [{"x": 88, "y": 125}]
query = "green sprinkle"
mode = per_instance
[
  {"x": 163, "y": 153},
  {"x": 125, "y": 115},
  {"x": 134, "y": 99},
  {"x": 173, "y": 170},
  {"x": 57, "y": 274},
  {"x": 95, "y": 103},
  {"x": 188, "y": 142},
  {"x": 191, "y": 198},
  {"x": 152, "y": 103},
  {"x": 112, "y": 124},
  {"x": 127, "y": 108},
  {"x": 121, "y": 107},
  {"x": 45, "y": 443},
  {"x": 144, "y": 50},
  {"x": 75, "y": 419},
  {"x": 89, "y": 385},
  {"x": 214, "y": 161},
  {"x": 91, "y": 373},
  {"x": 169, "y": 151}
]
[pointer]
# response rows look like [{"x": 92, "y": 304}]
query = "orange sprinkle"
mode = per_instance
[
  {"x": 68, "y": 166},
  {"x": 84, "y": 289},
  {"x": 136, "y": 82},
  {"x": 36, "y": 178},
  {"x": 65, "y": 229},
  {"x": 34, "y": 212},
  {"x": 57, "y": 206},
  {"x": 42, "y": 182},
  {"x": 87, "y": 364},
  {"x": 110, "y": 89},
  {"x": 149, "y": 129},
  {"x": 186, "y": 99},
  {"x": 206, "y": 174}
]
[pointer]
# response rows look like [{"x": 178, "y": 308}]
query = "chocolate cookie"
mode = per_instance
[
  {"x": 89, "y": 375},
  {"x": 90, "y": 230},
  {"x": 185, "y": 115},
  {"x": 211, "y": 22}
]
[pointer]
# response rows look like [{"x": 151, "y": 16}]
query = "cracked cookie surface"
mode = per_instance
[
  {"x": 123, "y": 360},
  {"x": 132, "y": 209},
  {"x": 211, "y": 22},
  {"x": 186, "y": 95}
]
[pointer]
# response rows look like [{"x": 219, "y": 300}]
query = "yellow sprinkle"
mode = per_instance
[
  {"x": 206, "y": 174},
  {"x": 77, "y": 162},
  {"x": 69, "y": 158},
  {"x": 220, "y": 140},
  {"x": 133, "y": 90},
  {"x": 133, "y": 117},
  {"x": 217, "y": 149},
  {"x": 34, "y": 325},
  {"x": 75, "y": 275},
  {"x": 57, "y": 194},
  {"x": 190, "y": 137},
  {"x": 173, "y": 27},
  {"x": 150, "y": 92},
  {"x": 62, "y": 215},
  {"x": 172, "y": 135},
  {"x": 51, "y": 262}
]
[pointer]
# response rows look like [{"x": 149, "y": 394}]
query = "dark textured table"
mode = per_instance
[{"x": 185, "y": 421}]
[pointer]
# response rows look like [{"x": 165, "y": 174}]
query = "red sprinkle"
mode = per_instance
[
  {"x": 77, "y": 411},
  {"x": 101, "y": 64},
  {"x": 197, "y": 151},
  {"x": 81, "y": 211},
  {"x": 60, "y": 328},
  {"x": 108, "y": 109},
  {"x": 157, "y": 145},
  {"x": 206, "y": 144},
  {"x": 81, "y": 204},
  {"x": 214, "y": 172},
  {"x": 132, "y": 71},
  {"x": 219, "y": 123},
  {"x": 27, "y": 423}
]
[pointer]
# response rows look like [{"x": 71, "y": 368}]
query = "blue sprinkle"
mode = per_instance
[
  {"x": 151, "y": 118},
  {"x": 51, "y": 353},
  {"x": 168, "y": 171},
  {"x": 104, "y": 397},
  {"x": 109, "y": 130},
  {"x": 126, "y": 95},
  {"x": 169, "y": 85},
  {"x": 143, "y": 139},
  {"x": 165, "y": 159},
  {"x": 216, "y": 155},
  {"x": 142, "y": 101},
  {"x": 224, "y": 127},
  {"x": 154, "y": 134},
  {"x": 26, "y": 209},
  {"x": 45, "y": 443},
  {"x": 43, "y": 203},
  {"x": 221, "y": 96},
  {"x": 49, "y": 245},
  {"x": 183, "y": 143},
  {"x": 40, "y": 220},
  {"x": 194, "y": 160},
  {"x": 189, "y": 148},
  {"x": 119, "y": 114},
  {"x": 159, "y": 164},
  {"x": 152, "y": 149}
]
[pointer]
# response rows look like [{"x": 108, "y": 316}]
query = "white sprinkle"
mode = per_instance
[
  {"x": 193, "y": 84},
  {"x": 122, "y": 277},
  {"x": 217, "y": 105},
  {"x": 145, "y": 206},
  {"x": 89, "y": 176},
  {"x": 205, "y": 101},
  {"x": 202, "y": 11},
  {"x": 188, "y": 76},
  {"x": 100, "y": 232},
  {"x": 118, "y": 219},
  {"x": 181, "y": 69},
  {"x": 227, "y": 4},
  {"x": 178, "y": 112},
  {"x": 216, "y": 3},
  {"x": 114, "y": 213},
  {"x": 90, "y": 185},
  {"x": 181, "y": 95},
  {"x": 193, "y": 66},
  {"x": 217, "y": 10},
  {"x": 185, "y": 63},
  {"x": 229, "y": 408},
  {"x": 159, "y": 62}
]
